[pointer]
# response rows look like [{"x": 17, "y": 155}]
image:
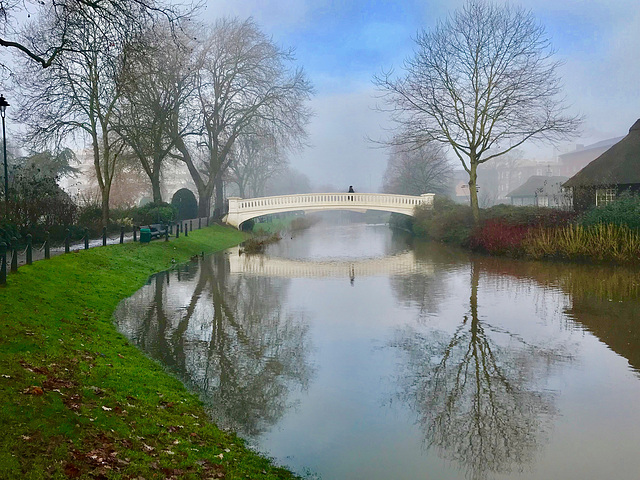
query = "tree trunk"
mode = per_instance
[
  {"x": 155, "y": 185},
  {"x": 219, "y": 200},
  {"x": 204, "y": 202},
  {"x": 473, "y": 191},
  {"x": 105, "y": 207}
]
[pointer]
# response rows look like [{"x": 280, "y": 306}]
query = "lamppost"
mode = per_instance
[{"x": 3, "y": 108}]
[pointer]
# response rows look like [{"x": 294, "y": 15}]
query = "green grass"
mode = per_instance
[{"x": 77, "y": 400}]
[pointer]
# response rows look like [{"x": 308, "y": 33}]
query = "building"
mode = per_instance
[
  {"x": 542, "y": 191},
  {"x": 572, "y": 162},
  {"x": 615, "y": 171}
]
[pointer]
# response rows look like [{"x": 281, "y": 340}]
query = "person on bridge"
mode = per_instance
[{"x": 351, "y": 190}]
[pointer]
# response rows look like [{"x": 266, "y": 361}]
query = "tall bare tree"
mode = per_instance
[
  {"x": 156, "y": 80},
  {"x": 417, "y": 170},
  {"x": 482, "y": 82},
  {"x": 79, "y": 94},
  {"x": 243, "y": 78}
]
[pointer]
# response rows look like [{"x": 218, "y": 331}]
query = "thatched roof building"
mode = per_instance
[{"x": 615, "y": 171}]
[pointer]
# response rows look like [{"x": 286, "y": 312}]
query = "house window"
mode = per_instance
[{"x": 605, "y": 196}]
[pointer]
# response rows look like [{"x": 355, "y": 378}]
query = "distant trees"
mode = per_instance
[
  {"x": 482, "y": 82},
  {"x": 417, "y": 170},
  {"x": 244, "y": 81},
  {"x": 211, "y": 98},
  {"x": 257, "y": 158}
]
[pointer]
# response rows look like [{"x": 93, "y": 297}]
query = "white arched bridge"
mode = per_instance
[{"x": 243, "y": 209}]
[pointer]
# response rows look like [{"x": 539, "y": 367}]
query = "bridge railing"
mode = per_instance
[{"x": 330, "y": 199}]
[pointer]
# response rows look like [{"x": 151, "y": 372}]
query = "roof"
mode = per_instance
[
  {"x": 620, "y": 165},
  {"x": 539, "y": 185}
]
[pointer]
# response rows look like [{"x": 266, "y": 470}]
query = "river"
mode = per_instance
[{"x": 353, "y": 352}]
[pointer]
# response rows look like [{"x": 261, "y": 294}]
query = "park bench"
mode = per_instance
[{"x": 157, "y": 230}]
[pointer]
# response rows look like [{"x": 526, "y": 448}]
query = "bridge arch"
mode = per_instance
[{"x": 243, "y": 209}]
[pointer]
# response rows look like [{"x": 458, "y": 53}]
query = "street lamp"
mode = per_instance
[{"x": 3, "y": 107}]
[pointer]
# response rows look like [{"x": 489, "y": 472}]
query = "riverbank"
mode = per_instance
[
  {"x": 609, "y": 234},
  {"x": 77, "y": 400}
]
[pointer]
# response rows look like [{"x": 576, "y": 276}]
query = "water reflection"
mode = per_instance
[
  {"x": 226, "y": 336},
  {"x": 477, "y": 392},
  {"x": 492, "y": 360},
  {"x": 603, "y": 300}
]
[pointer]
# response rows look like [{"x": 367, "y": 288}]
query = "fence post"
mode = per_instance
[
  {"x": 207, "y": 220},
  {"x": 66, "y": 240},
  {"x": 121, "y": 233},
  {"x": 171, "y": 229},
  {"x": 135, "y": 234},
  {"x": 191, "y": 225},
  {"x": 166, "y": 233},
  {"x": 29, "y": 250},
  {"x": 14, "y": 254},
  {"x": 3, "y": 263},
  {"x": 199, "y": 223},
  {"x": 104, "y": 236},
  {"x": 186, "y": 229},
  {"x": 47, "y": 246},
  {"x": 177, "y": 231},
  {"x": 86, "y": 239}
]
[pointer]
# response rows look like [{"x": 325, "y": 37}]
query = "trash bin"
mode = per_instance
[{"x": 145, "y": 235}]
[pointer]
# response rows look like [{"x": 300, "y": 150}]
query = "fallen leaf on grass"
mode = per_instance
[{"x": 33, "y": 390}]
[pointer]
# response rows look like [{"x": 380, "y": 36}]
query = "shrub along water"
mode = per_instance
[
  {"x": 77, "y": 400},
  {"x": 604, "y": 234}
]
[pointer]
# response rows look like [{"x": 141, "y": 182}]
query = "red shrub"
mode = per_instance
[{"x": 498, "y": 237}]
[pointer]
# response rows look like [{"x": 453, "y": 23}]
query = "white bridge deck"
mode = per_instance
[{"x": 241, "y": 210}]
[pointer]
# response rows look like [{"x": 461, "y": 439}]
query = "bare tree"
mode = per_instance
[
  {"x": 156, "y": 80},
  {"x": 482, "y": 82},
  {"x": 49, "y": 29},
  {"x": 79, "y": 94},
  {"x": 418, "y": 170},
  {"x": 243, "y": 79}
]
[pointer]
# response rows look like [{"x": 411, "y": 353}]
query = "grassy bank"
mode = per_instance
[{"x": 78, "y": 401}]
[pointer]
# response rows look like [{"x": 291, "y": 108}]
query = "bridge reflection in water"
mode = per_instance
[{"x": 404, "y": 263}]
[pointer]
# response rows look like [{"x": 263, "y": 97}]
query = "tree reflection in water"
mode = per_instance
[
  {"x": 228, "y": 337},
  {"x": 476, "y": 392}
]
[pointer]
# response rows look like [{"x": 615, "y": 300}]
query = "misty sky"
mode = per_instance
[{"x": 342, "y": 44}]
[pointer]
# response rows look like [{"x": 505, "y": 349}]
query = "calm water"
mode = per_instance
[{"x": 347, "y": 353}]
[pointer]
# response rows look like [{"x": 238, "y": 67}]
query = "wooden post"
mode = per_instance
[
  {"x": 166, "y": 233},
  {"x": 14, "y": 255},
  {"x": 186, "y": 229},
  {"x": 86, "y": 239},
  {"x": 104, "y": 236},
  {"x": 3, "y": 263},
  {"x": 121, "y": 233},
  {"x": 47, "y": 246},
  {"x": 67, "y": 238},
  {"x": 191, "y": 225},
  {"x": 177, "y": 231},
  {"x": 135, "y": 234},
  {"x": 29, "y": 250},
  {"x": 207, "y": 220},
  {"x": 199, "y": 223}
]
